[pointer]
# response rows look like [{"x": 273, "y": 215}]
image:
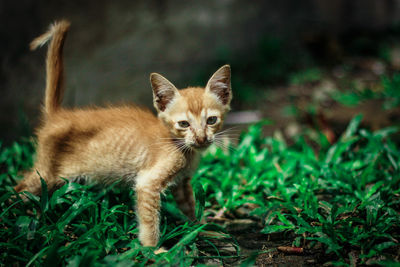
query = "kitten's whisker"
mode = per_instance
[
  {"x": 229, "y": 140},
  {"x": 177, "y": 148},
  {"x": 231, "y": 129},
  {"x": 184, "y": 148},
  {"x": 171, "y": 138},
  {"x": 226, "y": 149},
  {"x": 222, "y": 133},
  {"x": 226, "y": 139},
  {"x": 188, "y": 148},
  {"x": 226, "y": 136},
  {"x": 224, "y": 146},
  {"x": 221, "y": 146},
  {"x": 221, "y": 137},
  {"x": 181, "y": 146}
]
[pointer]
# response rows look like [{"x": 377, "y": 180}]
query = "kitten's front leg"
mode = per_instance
[
  {"x": 148, "y": 206},
  {"x": 149, "y": 185},
  {"x": 183, "y": 194}
]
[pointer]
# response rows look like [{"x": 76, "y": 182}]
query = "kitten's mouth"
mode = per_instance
[{"x": 201, "y": 146}]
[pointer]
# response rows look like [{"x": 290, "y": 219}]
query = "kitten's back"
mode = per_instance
[{"x": 102, "y": 142}]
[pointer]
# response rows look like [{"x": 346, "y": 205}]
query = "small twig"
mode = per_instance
[
  {"x": 291, "y": 250},
  {"x": 275, "y": 198},
  {"x": 278, "y": 167}
]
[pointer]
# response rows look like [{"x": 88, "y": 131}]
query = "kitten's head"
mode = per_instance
[{"x": 193, "y": 114}]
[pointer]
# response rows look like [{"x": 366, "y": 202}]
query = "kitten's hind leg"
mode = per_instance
[
  {"x": 33, "y": 184},
  {"x": 30, "y": 183}
]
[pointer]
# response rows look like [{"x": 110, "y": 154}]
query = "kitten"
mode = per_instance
[{"x": 128, "y": 143}]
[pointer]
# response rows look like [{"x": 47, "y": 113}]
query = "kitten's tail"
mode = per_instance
[{"x": 54, "y": 64}]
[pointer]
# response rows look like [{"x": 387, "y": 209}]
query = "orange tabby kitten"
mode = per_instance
[{"x": 107, "y": 144}]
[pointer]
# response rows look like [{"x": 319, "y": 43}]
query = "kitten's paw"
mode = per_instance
[{"x": 160, "y": 250}]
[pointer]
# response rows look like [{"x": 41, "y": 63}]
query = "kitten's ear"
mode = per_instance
[
  {"x": 163, "y": 91},
  {"x": 220, "y": 84}
]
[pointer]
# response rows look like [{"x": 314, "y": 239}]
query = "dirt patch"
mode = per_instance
[{"x": 258, "y": 248}]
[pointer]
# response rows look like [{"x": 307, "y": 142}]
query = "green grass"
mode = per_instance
[
  {"x": 305, "y": 76},
  {"x": 343, "y": 199},
  {"x": 388, "y": 92}
]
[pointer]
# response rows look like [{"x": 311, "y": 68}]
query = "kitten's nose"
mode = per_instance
[{"x": 201, "y": 140}]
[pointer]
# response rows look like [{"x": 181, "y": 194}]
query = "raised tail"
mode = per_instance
[{"x": 54, "y": 64}]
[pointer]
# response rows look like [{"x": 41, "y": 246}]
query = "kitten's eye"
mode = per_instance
[
  {"x": 212, "y": 120},
  {"x": 183, "y": 124}
]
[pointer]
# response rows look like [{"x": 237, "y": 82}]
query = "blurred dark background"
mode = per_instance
[{"x": 295, "y": 62}]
